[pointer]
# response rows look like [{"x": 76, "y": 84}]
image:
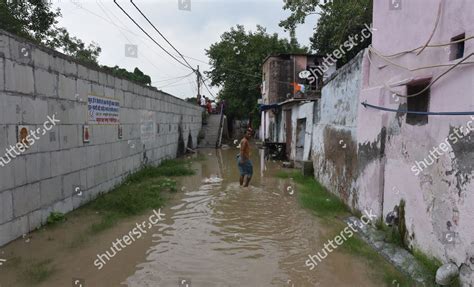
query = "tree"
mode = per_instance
[
  {"x": 74, "y": 47},
  {"x": 35, "y": 20},
  {"x": 137, "y": 75},
  {"x": 236, "y": 62},
  {"x": 339, "y": 19}
]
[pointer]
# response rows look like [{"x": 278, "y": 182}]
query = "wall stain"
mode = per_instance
[
  {"x": 181, "y": 145},
  {"x": 371, "y": 151},
  {"x": 343, "y": 162},
  {"x": 463, "y": 160}
]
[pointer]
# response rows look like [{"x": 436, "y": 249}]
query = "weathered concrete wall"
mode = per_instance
[
  {"x": 335, "y": 134},
  {"x": 44, "y": 178},
  {"x": 439, "y": 199}
]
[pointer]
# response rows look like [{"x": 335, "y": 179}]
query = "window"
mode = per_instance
[
  {"x": 419, "y": 103},
  {"x": 457, "y": 49}
]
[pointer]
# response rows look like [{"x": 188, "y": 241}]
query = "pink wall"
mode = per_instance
[{"x": 441, "y": 198}]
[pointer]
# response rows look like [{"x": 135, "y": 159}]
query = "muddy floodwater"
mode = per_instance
[{"x": 213, "y": 233}]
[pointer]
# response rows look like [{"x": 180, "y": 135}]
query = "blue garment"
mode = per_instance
[{"x": 245, "y": 168}]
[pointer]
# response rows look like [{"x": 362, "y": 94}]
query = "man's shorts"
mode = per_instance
[{"x": 245, "y": 168}]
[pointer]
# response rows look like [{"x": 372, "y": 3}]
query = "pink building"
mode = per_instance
[{"x": 425, "y": 160}]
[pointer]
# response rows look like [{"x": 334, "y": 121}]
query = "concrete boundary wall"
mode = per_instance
[
  {"x": 334, "y": 143},
  {"x": 46, "y": 177}
]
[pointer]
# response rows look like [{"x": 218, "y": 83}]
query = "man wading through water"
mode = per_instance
[{"x": 243, "y": 160}]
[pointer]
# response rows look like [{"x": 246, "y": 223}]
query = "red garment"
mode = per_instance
[{"x": 209, "y": 107}]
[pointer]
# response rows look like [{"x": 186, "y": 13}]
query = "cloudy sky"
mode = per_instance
[{"x": 191, "y": 32}]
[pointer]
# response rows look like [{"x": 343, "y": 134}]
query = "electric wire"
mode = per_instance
[
  {"x": 151, "y": 38},
  {"x": 372, "y": 49},
  {"x": 211, "y": 93},
  {"x": 177, "y": 85},
  {"x": 168, "y": 84},
  {"x": 207, "y": 88},
  {"x": 428, "y": 46},
  {"x": 121, "y": 29},
  {"x": 158, "y": 31},
  {"x": 432, "y": 82},
  {"x": 440, "y": 8},
  {"x": 228, "y": 69},
  {"x": 171, "y": 79}
]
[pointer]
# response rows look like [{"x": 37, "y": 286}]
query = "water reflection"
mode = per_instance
[{"x": 221, "y": 234}]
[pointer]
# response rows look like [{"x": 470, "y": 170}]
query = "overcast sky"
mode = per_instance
[{"x": 191, "y": 32}]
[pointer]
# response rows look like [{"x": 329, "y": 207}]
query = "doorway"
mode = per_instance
[
  {"x": 289, "y": 132},
  {"x": 300, "y": 138}
]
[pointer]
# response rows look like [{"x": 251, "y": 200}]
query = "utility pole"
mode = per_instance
[{"x": 198, "y": 80}]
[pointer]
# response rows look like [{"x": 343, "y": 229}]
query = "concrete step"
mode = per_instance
[{"x": 211, "y": 131}]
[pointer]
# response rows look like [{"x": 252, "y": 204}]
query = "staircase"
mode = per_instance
[{"x": 211, "y": 131}]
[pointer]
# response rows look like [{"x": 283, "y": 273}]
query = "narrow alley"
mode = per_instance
[
  {"x": 201, "y": 143},
  {"x": 214, "y": 233}
]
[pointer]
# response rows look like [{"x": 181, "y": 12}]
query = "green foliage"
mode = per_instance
[
  {"x": 55, "y": 217},
  {"x": 38, "y": 272},
  {"x": 315, "y": 197},
  {"x": 392, "y": 234},
  {"x": 402, "y": 228},
  {"x": 389, "y": 274},
  {"x": 139, "y": 192},
  {"x": 35, "y": 20},
  {"x": 300, "y": 9},
  {"x": 339, "y": 20},
  {"x": 168, "y": 184},
  {"x": 236, "y": 62},
  {"x": 32, "y": 19},
  {"x": 431, "y": 264},
  {"x": 74, "y": 47},
  {"x": 324, "y": 204},
  {"x": 137, "y": 75}
]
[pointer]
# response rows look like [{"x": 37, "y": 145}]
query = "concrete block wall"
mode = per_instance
[{"x": 44, "y": 178}]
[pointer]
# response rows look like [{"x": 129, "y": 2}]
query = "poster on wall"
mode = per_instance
[
  {"x": 147, "y": 126},
  {"x": 22, "y": 133},
  {"x": 86, "y": 134},
  {"x": 102, "y": 110},
  {"x": 119, "y": 132}
]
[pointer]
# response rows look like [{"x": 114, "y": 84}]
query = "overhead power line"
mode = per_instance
[
  {"x": 120, "y": 29},
  {"x": 171, "y": 79},
  {"x": 169, "y": 84},
  {"x": 207, "y": 88},
  {"x": 158, "y": 31},
  {"x": 151, "y": 38}
]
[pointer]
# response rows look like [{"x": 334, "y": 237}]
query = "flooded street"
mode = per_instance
[
  {"x": 220, "y": 234},
  {"x": 213, "y": 233}
]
